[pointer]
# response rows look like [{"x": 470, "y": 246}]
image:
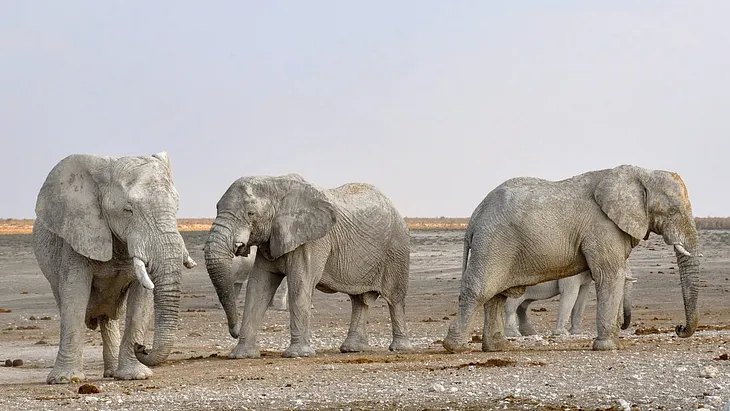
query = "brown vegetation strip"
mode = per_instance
[{"x": 25, "y": 226}]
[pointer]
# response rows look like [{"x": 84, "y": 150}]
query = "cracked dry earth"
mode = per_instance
[{"x": 653, "y": 370}]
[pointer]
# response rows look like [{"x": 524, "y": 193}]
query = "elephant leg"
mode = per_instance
[
  {"x": 511, "y": 326},
  {"x": 576, "y": 317},
  {"x": 609, "y": 294},
  {"x": 279, "y": 302},
  {"x": 110, "y": 338},
  {"x": 400, "y": 328},
  {"x": 357, "y": 337},
  {"x": 493, "y": 332},
  {"x": 140, "y": 308},
  {"x": 302, "y": 278},
  {"x": 568, "y": 296},
  {"x": 260, "y": 290},
  {"x": 470, "y": 297},
  {"x": 73, "y": 297},
  {"x": 525, "y": 327}
]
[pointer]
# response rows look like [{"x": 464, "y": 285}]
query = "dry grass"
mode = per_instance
[{"x": 25, "y": 226}]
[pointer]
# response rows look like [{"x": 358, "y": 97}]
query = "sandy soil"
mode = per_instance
[{"x": 653, "y": 370}]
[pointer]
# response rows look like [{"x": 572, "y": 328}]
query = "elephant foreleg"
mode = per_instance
[
  {"x": 73, "y": 298},
  {"x": 493, "y": 332},
  {"x": 139, "y": 312},
  {"x": 357, "y": 337},
  {"x": 609, "y": 294},
  {"x": 301, "y": 286},
  {"x": 259, "y": 291},
  {"x": 110, "y": 338}
]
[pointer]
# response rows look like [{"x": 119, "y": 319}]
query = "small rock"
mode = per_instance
[
  {"x": 708, "y": 372},
  {"x": 713, "y": 401},
  {"x": 32, "y": 318},
  {"x": 453, "y": 389},
  {"x": 17, "y": 363},
  {"x": 436, "y": 387},
  {"x": 89, "y": 389},
  {"x": 623, "y": 404},
  {"x": 8, "y": 363}
]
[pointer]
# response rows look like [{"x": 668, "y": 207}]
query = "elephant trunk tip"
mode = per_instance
[
  {"x": 685, "y": 331},
  {"x": 146, "y": 357}
]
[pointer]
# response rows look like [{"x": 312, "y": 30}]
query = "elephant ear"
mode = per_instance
[
  {"x": 165, "y": 158},
  {"x": 622, "y": 196},
  {"x": 69, "y": 204},
  {"x": 304, "y": 214}
]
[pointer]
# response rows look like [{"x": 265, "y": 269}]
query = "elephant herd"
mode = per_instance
[{"x": 107, "y": 240}]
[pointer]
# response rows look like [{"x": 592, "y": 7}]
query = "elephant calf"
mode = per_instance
[
  {"x": 349, "y": 239},
  {"x": 105, "y": 234},
  {"x": 573, "y": 292}
]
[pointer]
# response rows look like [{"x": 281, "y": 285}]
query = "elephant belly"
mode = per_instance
[
  {"x": 333, "y": 281},
  {"x": 108, "y": 292}
]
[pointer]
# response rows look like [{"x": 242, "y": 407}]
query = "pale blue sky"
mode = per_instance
[{"x": 435, "y": 102}]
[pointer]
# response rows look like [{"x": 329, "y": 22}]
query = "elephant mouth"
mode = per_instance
[{"x": 242, "y": 250}]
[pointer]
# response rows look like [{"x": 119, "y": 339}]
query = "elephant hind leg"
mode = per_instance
[
  {"x": 493, "y": 332},
  {"x": 357, "y": 337},
  {"x": 525, "y": 326},
  {"x": 400, "y": 329}
]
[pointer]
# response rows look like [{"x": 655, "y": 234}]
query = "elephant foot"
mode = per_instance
[
  {"x": 604, "y": 345},
  {"x": 109, "y": 372},
  {"x": 495, "y": 343},
  {"x": 299, "y": 350},
  {"x": 137, "y": 371},
  {"x": 355, "y": 344},
  {"x": 512, "y": 332},
  {"x": 575, "y": 331},
  {"x": 454, "y": 346},
  {"x": 400, "y": 344},
  {"x": 65, "y": 376},
  {"x": 527, "y": 329},
  {"x": 243, "y": 351},
  {"x": 560, "y": 331}
]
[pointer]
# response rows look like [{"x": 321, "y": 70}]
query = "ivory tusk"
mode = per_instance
[
  {"x": 680, "y": 249},
  {"x": 142, "y": 275},
  {"x": 189, "y": 262},
  {"x": 631, "y": 279}
]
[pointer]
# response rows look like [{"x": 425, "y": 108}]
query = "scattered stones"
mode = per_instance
[
  {"x": 89, "y": 389},
  {"x": 436, "y": 387},
  {"x": 708, "y": 372}
]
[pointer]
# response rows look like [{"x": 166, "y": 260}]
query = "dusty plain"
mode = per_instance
[{"x": 653, "y": 370}]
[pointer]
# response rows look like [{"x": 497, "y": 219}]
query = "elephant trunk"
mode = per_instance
[
  {"x": 218, "y": 262},
  {"x": 689, "y": 269},
  {"x": 165, "y": 269}
]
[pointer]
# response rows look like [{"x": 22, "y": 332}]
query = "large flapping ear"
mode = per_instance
[
  {"x": 622, "y": 196},
  {"x": 165, "y": 158},
  {"x": 304, "y": 214},
  {"x": 69, "y": 204}
]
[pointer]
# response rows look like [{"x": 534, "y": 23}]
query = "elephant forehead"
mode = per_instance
[{"x": 683, "y": 188}]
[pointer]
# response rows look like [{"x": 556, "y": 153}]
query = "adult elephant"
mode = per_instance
[
  {"x": 528, "y": 230},
  {"x": 349, "y": 239},
  {"x": 573, "y": 292},
  {"x": 105, "y": 234}
]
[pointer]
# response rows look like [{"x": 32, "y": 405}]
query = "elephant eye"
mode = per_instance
[
  {"x": 251, "y": 213},
  {"x": 127, "y": 210}
]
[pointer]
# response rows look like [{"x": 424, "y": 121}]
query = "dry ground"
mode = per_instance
[{"x": 653, "y": 370}]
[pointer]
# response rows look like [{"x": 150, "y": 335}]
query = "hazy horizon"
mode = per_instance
[{"x": 435, "y": 103}]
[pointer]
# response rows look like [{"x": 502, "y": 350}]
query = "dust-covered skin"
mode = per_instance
[
  {"x": 573, "y": 292},
  {"x": 105, "y": 236},
  {"x": 655, "y": 370},
  {"x": 349, "y": 239},
  {"x": 652, "y": 371},
  {"x": 529, "y": 230}
]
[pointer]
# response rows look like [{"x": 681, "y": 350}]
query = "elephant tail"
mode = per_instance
[{"x": 467, "y": 247}]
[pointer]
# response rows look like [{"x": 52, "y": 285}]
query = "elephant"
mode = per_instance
[
  {"x": 349, "y": 239},
  {"x": 573, "y": 292},
  {"x": 106, "y": 239},
  {"x": 241, "y": 268},
  {"x": 530, "y": 230}
]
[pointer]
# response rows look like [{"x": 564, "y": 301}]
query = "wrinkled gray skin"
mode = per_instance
[
  {"x": 573, "y": 292},
  {"x": 349, "y": 239},
  {"x": 528, "y": 230},
  {"x": 105, "y": 234},
  {"x": 241, "y": 269}
]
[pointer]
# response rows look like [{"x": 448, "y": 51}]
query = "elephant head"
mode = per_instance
[
  {"x": 640, "y": 202},
  {"x": 276, "y": 214},
  {"x": 123, "y": 208}
]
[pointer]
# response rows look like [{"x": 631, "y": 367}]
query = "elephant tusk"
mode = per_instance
[
  {"x": 142, "y": 275},
  {"x": 631, "y": 279},
  {"x": 189, "y": 262},
  {"x": 680, "y": 249}
]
